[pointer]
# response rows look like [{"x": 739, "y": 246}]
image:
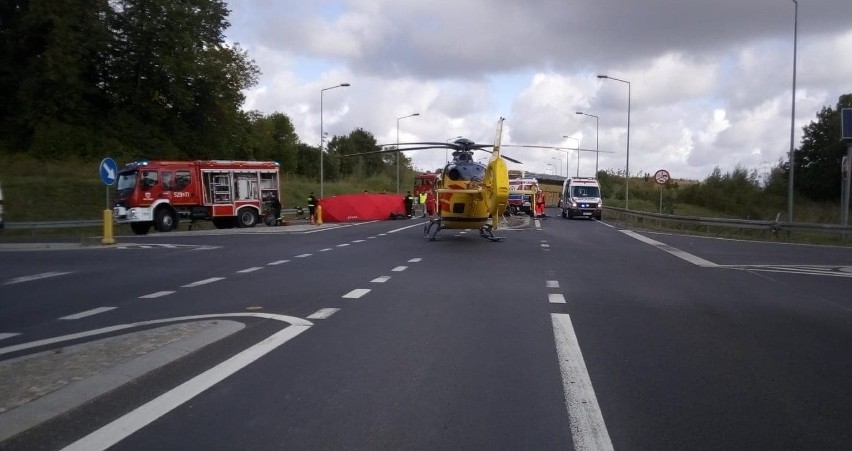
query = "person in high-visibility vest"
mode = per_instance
[
  {"x": 421, "y": 199},
  {"x": 312, "y": 207},
  {"x": 539, "y": 203}
]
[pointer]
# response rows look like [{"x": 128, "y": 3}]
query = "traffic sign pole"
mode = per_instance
[{"x": 108, "y": 171}]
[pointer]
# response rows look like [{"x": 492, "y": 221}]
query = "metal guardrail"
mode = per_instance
[
  {"x": 79, "y": 224},
  {"x": 768, "y": 226}
]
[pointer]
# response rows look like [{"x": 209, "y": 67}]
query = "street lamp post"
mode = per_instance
[
  {"x": 627, "y": 164},
  {"x": 597, "y": 139},
  {"x": 322, "y": 137},
  {"x": 397, "y": 147},
  {"x": 793, "y": 116},
  {"x": 560, "y": 164},
  {"x": 578, "y": 155}
]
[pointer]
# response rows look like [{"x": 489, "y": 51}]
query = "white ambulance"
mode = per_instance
[{"x": 581, "y": 196}]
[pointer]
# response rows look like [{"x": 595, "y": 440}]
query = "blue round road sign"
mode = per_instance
[{"x": 108, "y": 171}]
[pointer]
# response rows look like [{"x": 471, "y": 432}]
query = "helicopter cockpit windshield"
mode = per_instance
[{"x": 465, "y": 171}]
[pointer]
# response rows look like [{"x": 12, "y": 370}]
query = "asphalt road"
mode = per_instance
[{"x": 565, "y": 335}]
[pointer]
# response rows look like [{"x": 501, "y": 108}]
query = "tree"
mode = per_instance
[{"x": 817, "y": 160}]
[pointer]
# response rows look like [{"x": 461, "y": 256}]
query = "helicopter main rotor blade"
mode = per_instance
[{"x": 504, "y": 156}]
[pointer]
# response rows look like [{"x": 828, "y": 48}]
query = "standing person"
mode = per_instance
[
  {"x": 312, "y": 207},
  {"x": 409, "y": 204},
  {"x": 430, "y": 203},
  {"x": 421, "y": 199},
  {"x": 275, "y": 207}
]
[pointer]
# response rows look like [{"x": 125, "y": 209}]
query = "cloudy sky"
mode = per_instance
[{"x": 710, "y": 81}]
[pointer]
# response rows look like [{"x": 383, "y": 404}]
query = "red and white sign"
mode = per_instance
[{"x": 662, "y": 176}]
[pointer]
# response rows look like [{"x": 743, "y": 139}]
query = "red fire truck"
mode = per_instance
[
  {"x": 160, "y": 193},
  {"x": 424, "y": 182}
]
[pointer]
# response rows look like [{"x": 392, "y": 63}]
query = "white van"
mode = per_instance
[{"x": 581, "y": 196}]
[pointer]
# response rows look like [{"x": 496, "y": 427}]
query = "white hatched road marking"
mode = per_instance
[
  {"x": 158, "y": 294},
  {"x": 91, "y": 312},
  {"x": 695, "y": 260},
  {"x": 33, "y": 277},
  {"x": 556, "y": 298},
  {"x": 552, "y": 284},
  {"x": 8, "y": 335},
  {"x": 399, "y": 268},
  {"x": 202, "y": 282},
  {"x": 323, "y": 313},
  {"x": 381, "y": 279},
  {"x": 277, "y": 262},
  {"x": 812, "y": 270},
  {"x": 356, "y": 293},
  {"x": 144, "y": 415},
  {"x": 584, "y": 415},
  {"x": 415, "y": 260},
  {"x": 248, "y": 270}
]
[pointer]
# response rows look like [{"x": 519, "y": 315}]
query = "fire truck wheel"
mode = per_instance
[
  {"x": 246, "y": 218},
  {"x": 164, "y": 220},
  {"x": 140, "y": 228}
]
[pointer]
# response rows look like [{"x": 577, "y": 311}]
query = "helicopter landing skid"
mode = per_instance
[
  {"x": 487, "y": 233},
  {"x": 432, "y": 224}
]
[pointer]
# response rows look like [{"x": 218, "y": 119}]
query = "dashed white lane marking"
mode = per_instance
[
  {"x": 381, "y": 279},
  {"x": 586, "y": 421},
  {"x": 303, "y": 255},
  {"x": 43, "y": 275},
  {"x": 537, "y": 224},
  {"x": 158, "y": 294},
  {"x": 8, "y": 335},
  {"x": 323, "y": 313},
  {"x": 343, "y": 245},
  {"x": 545, "y": 245},
  {"x": 91, "y": 312},
  {"x": 357, "y": 241},
  {"x": 671, "y": 250},
  {"x": 144, "y": 415},
  {"x": 371, "y": 238},
  {"x": 399, "y": 268},
  {"x": 248, "y": 270},
  {"x": 415, "y": 260},
  {"x": 356, "y": 293},
  {"x": 552, "y": 284},
  {"x": 277, "y": 262},
  {"x": 556, "y": 298},
  {"x": 202, "y": 282},
  {"x": 325, "y": 250}
]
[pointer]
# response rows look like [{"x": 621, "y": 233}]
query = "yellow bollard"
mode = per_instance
[
  {"x": 108, "y": 239},
  {"x": 319, "y": 214}
]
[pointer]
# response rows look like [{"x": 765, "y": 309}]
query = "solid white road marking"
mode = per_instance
[
  {"x": 158, "y": 294},
  {"x": 671, "y": 250},
  {"x": 418, "y": 224},
  {"x": 91, "y": 312},
  {"x": 278, "y": 262},
  {"x": 303, "y": 255},
  {"x": 415, "y": 260},
  {"x": 8, "y": 335},
  {"x": 144, "y": 415},
  {"x": 399, "y": 268},
  {"x": 556, "y": 298},
  {"x": 552, "y": 284},
  {"x": 587, "y": 425},
  {"x": 356, "y": 293},
  {"x": 323, "y": 313},
  {"x": 202, "y": 282},
  {"x": 43, "y": 275},
  {"x": 381, "y": 279}
]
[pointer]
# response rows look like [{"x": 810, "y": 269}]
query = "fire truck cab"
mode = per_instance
[{"x": 161, "y": 193}]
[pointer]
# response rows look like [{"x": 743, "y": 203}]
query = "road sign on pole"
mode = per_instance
[{"x": 108, "y": 170}]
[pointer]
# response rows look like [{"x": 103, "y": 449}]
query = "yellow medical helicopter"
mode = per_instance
[{"x": 469, "y": 194}]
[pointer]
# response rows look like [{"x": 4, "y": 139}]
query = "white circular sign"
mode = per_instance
[{"x": 662, "y": 176}]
